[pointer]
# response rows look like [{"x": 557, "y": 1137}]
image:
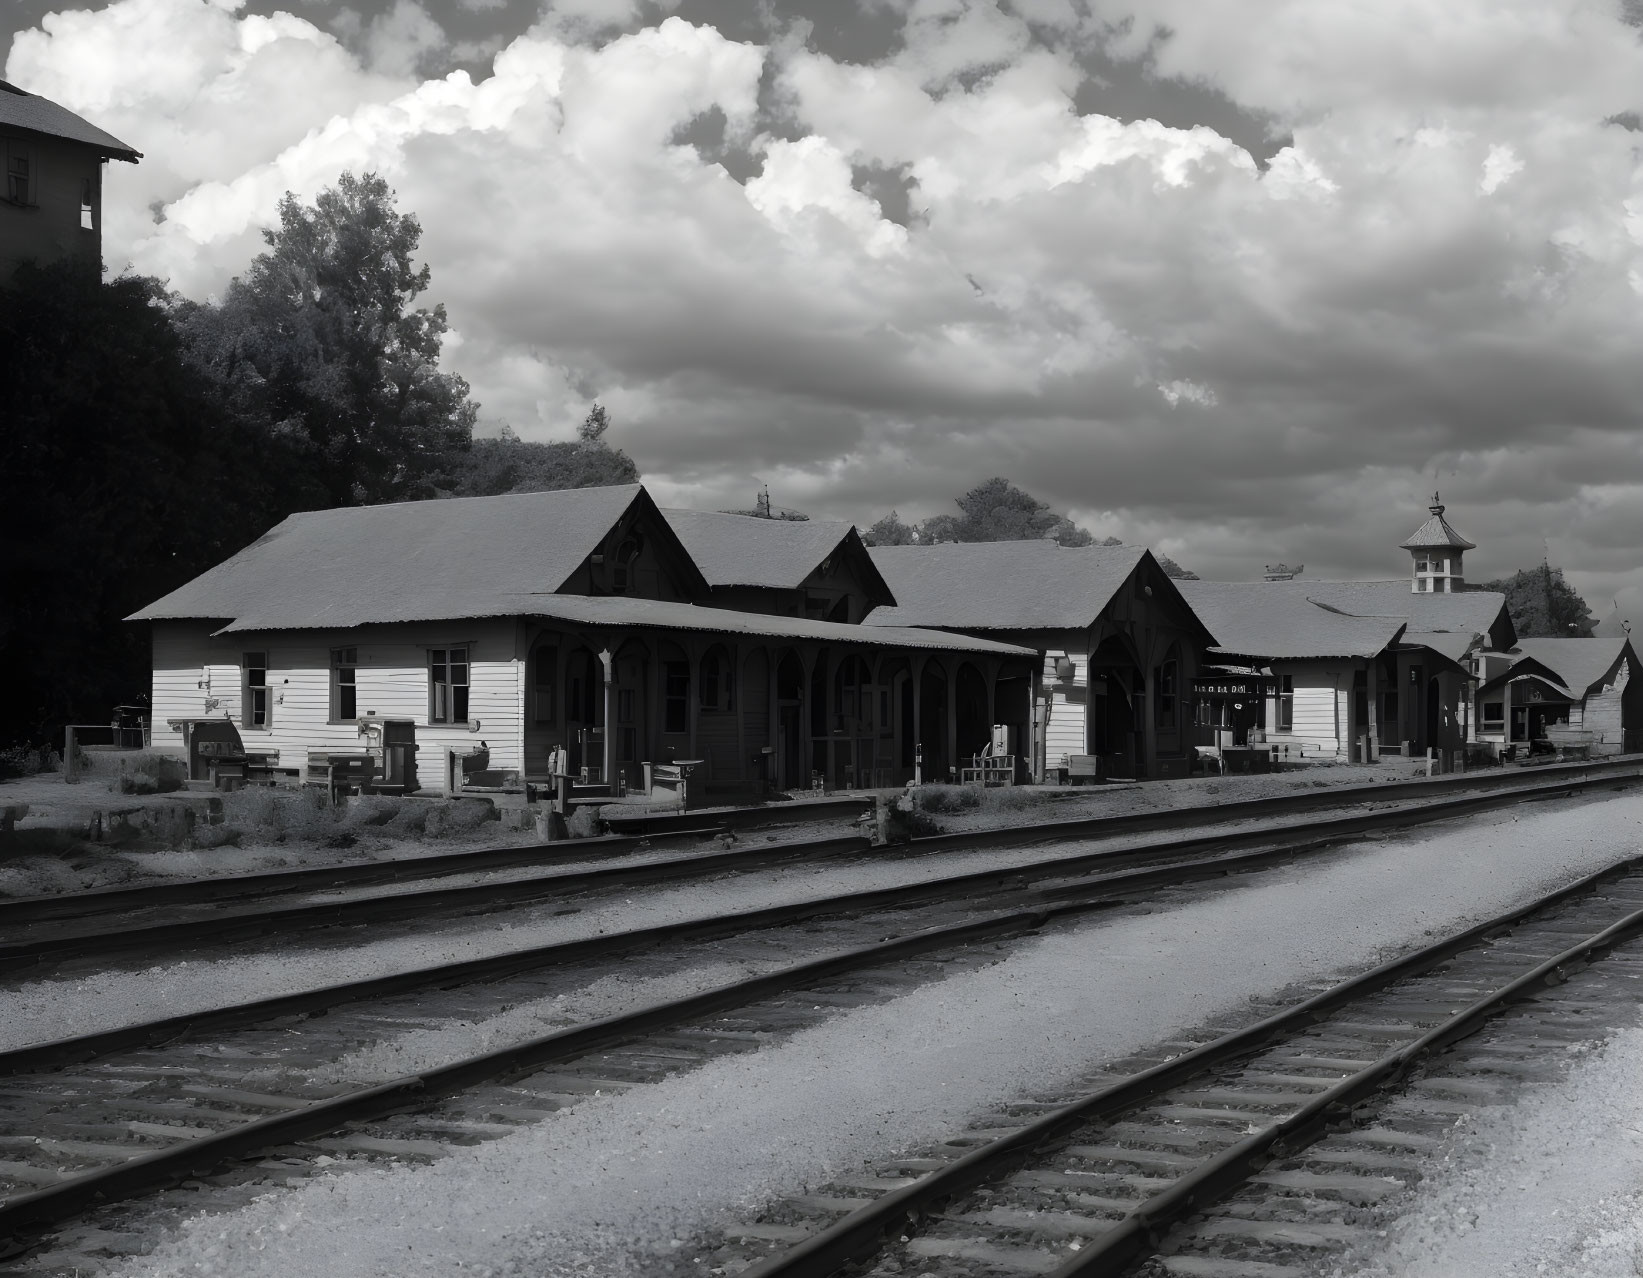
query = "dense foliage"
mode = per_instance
[
  {"x": 147, "y": 438},
  {"x": 122, "y": 475},
  {"x": 319, "y": 340},
  {"x": 996, "y": 510},
  {"x": 1543, "y": 605}
]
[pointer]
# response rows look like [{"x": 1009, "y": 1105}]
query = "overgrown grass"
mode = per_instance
[
  {"x": 260, "y": 815},
  {"x": 148, "y": 773}
]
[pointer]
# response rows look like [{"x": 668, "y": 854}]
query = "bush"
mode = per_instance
[
  {"x": 947, "y": 798},
  {"x": 906, "y": 822},
  {"x": 28, "y": 761},
  {"x": 147, "y": 773}
]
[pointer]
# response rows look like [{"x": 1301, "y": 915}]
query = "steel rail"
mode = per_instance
[
  {"x": 153, "y": 1171},
  {"x": 1104, "y": 890},
  {"x": 268, "y": 883},
  {"x": 230, "y": 926},
  {"x": 30, "y": 1212},
  {"x": 859, "y": 1235},
  {"x": 1111, "y": 1253}
]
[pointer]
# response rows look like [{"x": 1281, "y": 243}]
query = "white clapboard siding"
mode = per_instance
[
  {"x": 1066, "y": 733},
  {"x": 391, "y": 681},
  {"x": 1314, "y": 724}
]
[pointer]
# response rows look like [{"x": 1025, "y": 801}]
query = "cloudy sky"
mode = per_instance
[{"x": 1240, "y": 279}]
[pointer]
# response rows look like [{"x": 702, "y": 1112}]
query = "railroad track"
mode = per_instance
[
  {"x": 59, "y": 935},
  {"x": 130, "y": 1120},
  {"x": 1262, "y": 1152},
  {"x": 265, "y": 886}
]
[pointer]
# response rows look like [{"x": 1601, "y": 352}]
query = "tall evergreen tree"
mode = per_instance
[
  {"x": 1543, "y": 605},
  {"x": 319, "y": 337}
]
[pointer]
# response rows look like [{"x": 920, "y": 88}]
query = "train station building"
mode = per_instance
[{"x": 588, "y": 619}]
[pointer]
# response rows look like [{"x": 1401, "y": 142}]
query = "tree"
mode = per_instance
[
  {"x": 511, "y": 465},
  {"x": 318, "y": 337},
  {"x": 1542, "y": 604},
  {"x": 999, "y": 511},
  {"x": 891, "y": 531},
  {"x": 122, "y": 475}
]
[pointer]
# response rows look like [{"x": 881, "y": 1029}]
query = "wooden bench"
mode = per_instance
[{"x": 989, "y": 769}]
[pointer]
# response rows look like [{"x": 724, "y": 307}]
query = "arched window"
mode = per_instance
[
  {"x": 621, "y": 573},
  {"x": 1167, "y": 676},
  {"x": 544, "y": 680},
  {"x": 718, "y": 682}
]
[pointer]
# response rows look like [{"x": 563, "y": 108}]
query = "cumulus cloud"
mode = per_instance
[{"x": 1437, "y": 281}]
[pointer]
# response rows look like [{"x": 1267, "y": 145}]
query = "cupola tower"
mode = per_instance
[{"x": 1437, "y": 550}]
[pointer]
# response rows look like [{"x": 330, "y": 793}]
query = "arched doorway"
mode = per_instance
[
  {"x": 630, "y": 703},
  {"x": 789, "y": 741},
  {"x": 932, "y": 721},
  {"x": 975, "y": 726},
  {"x": 584, "y": 709}
]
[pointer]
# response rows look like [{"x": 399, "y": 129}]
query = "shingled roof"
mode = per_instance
[
  {"x": 750, "y": 550},
  {"x": 1269, "y": 619},
  {"x": 1581, "y": 664},
  {"x": 1436, "y": 534},
  {"x": 31, "y": 112},
  {"x": 1001, "y": 585},
  {"x": 411, "y": 561},
  {"x": 1469, "y": 612}
]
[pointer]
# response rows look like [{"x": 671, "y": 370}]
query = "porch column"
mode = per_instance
[
  {"x": 773, "y": 720},
  {"x": 737, "y": 691},
  {"x": 918, "y": 712},
  {"x": 952, "y": 718},
  {"x": 806, "y": 759},
  {"x": 607, "y": 660},
  {"x": 693, "y": 654},
  {"x": 1373, "y": 728},
  {"x": 992, "y": 698},
  {"x": 1506, "y": 711},
  {"x": 1149, "y": 719}
]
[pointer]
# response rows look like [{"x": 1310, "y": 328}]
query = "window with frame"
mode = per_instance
[
  {"x": 22, "y": 182},
  {"x": 1494, "y": 713},
  {"x": 447, "y": 685},
  {"x": 1286, "y": 703},
  {"x": 88, "y": 220},
  {"x": 621, "y": 574},
  {"x": 344, "y": 685},
  {"x": 545, "y": 679},
  {"x": 718, "y": 685},
  {"x": 676, "y": 696},
  {"x": 255, "y": 704},
  {"x": 1166, "y": 694}
]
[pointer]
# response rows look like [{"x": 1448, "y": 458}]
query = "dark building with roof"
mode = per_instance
[
  {"x": 1588, "y": 687},
  {"x": 1119, "y": 645},
  {"x": 52, "y": 204},
  {"x": 580, "y": 618}
]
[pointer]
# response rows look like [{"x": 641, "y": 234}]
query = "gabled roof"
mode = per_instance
[
  {"x": 1270, "y": 619},
  {"x": 1579, "y": 664},
  {"x": 1452, "y": 645},
  {"x": 411, "y": 561},
  {"x": 749, "y": 550},
  {"x": 1529, "y": 668},
  {"x": 29, "y": 111},
  {"x": 627, "y": 610},
  {"x": 1001, "y": 585},
  {"x": 1469, "y": 612}
]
